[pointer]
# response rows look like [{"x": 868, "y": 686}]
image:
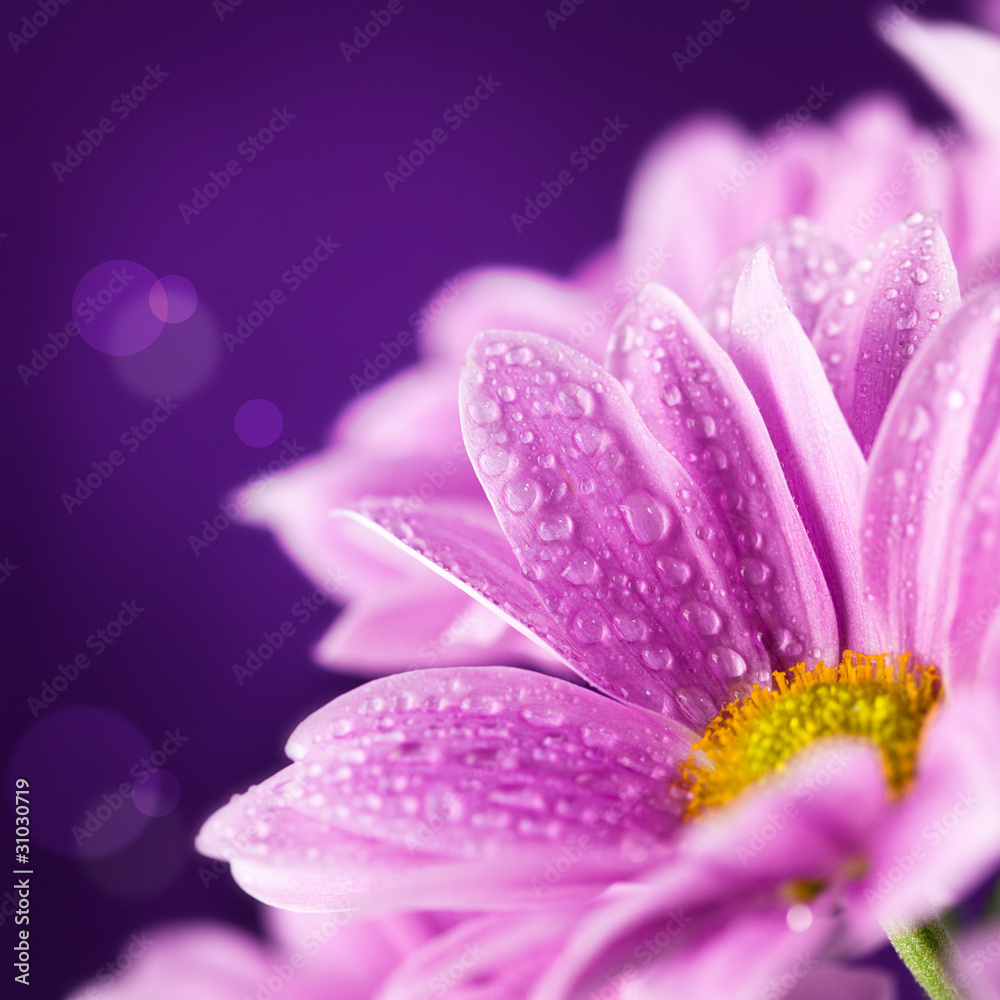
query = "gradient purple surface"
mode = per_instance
[{"x": 211, "y": 76}]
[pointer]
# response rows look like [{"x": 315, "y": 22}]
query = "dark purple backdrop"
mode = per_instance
[{"x": 217, "y": 80}]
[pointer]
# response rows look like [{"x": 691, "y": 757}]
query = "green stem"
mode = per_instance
[{"x": 928, "y": 951}]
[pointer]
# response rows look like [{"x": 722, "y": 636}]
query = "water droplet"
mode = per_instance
[
  {"x": 955, "y": 399},
  {"x": 554, "y": 529},
  {"x": 754, "y": 571},
  {"x": 675, "y": 572},
  {"x": 507, "y": 393},
  {"x": 703, "y": 425},
  {"x": 727, "y": 661},
  {"x": 645, "y": 519},
  {"x": 919, "y": 276},
  {"x": 494, "y": 460},
  {"x": 519, "y": 356},
  {"x": 696, "y": 704},
  {"x": 575, "y": 401},
  {"x": 864, "y": 265},
  {"x": 700, "y": 618},
  {"x": 498, "y": 347},
  {"x": 671, "y": 394},
  {"x": 891, "y": 293},
  {"x": 542, "y": 716},
  {"x": 848, "y": 297},
  {"x": 914, "y": 218},
  {"x": 715, "y": 456},
  {"x": 629, "y": 627},
  {"x": 908, "y": 320},
  {"x": 657, "y": 658},
  {"x": 526, "y": 437},
  {"x": 581, "y": 568},
  {"x": 519, "y": 494},
  {"x": 588, "y": 439},
  {"x": 588, "y": 627},
  {"x": 916, "y": 424},
  {"x": 484, "y": 410}
]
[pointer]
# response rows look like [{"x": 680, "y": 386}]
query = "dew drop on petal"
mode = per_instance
[
  {"x": 675, "y": 572},
  {"x": 916, "y": 423},
  {"x": 657, "y": 658},
  {"x": 955, "y": 399},
  {"x": 588, "y": 439},
  {"x": 754, "y": 571},
  {"x": 727, "y": 661},
  {"x": 519, "y": 356},
  {"x": 629, "y": 627},
  {"x": 484, "y": 411},
  {"x": 574, "y": 400},
  {"x": 908, "y": 320},
  {"x": 919, "y": 276},
  {"x": 700, "y": 618},
  {"x": 671, "y": 394},
  {"x": 542, "y": 716},
  {"x": 581, "y": 568},
  {"x": 696, "y": 704},
  {"x": 644, "y": 516},
  {"x": 494, "y": 460},
  {"x": 519, "y": 494},
  {"x": 588, "y": 627},
  {"x": 555, "y": 529}
]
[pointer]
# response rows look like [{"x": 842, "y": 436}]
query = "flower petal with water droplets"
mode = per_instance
[
  {"x": 823, "y": 465},
  {"x": 892, "y": 299},
  {"x": 683, "y": 383},
  {"x": 933, "y": 438},
  {"x": 641, "y": 563}
]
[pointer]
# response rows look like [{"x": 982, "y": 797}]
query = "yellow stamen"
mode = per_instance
[{"x": 862, "y": 697}]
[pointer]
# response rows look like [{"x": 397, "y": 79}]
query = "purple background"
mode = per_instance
[{"x": 322, "y": 176}]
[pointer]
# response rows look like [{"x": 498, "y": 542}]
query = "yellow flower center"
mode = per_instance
[{"x": 863, "y": 696}]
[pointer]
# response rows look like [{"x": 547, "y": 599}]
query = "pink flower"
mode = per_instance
[
  {"x": 703, "y": 192},
  {"x": 680, "y": 527}
]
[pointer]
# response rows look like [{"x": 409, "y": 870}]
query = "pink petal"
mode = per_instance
[
  {"x": 974, "y": 594},
  {"x": 700, "y": 410},
  {"x": 626, "y": 555},
  {"x": 474, "y": 556},
  {"x": 197, "y": 961},
  {"x": 823, "y": 465},
  {"x": 892, "y": 299},
  {"x": 519, "y": 300},
  {"x": 961, "y": 63},
  {"x": 408, "y": 784},
  {"x": 807, "y": 261},
  {"x": 933, "y": 437},
  {"x": 943, "y": 839},
  {"x": 487, "y": 958}
]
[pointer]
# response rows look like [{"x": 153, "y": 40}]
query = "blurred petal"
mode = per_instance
[
  {"x": 961, "y": 63},
  {"x": 843, "y": 982},
  {"x": 697, "y": 406},
  {"x": 823, "y": 465},
  {"x": 892, "y": 299},
  {"x": 931, "y": 441},
  {"x": 625, "y": 553}
]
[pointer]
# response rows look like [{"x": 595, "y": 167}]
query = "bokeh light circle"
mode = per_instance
[
  {"x": 173, "y": 299},
  {"x": 111, "y": 308},
  {"x": 158, "y": 795},
  {"x": 258, "y": 423}
]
